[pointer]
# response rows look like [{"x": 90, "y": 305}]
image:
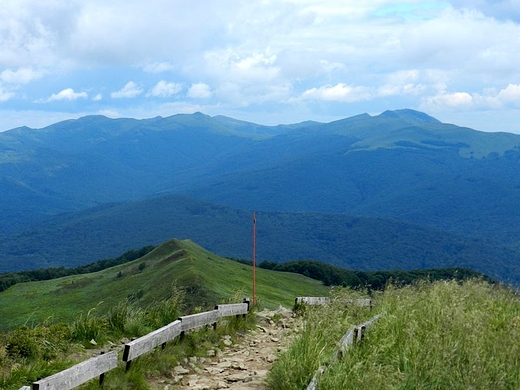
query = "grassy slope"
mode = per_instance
[
  {"x": 442, "y": 335},
  {"x": 206, "y": 278}
]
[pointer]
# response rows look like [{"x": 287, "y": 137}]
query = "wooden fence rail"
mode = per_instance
[
  {"x": 194, "y": 321},
  {"x": 98, "y": 366},
  {"x": 353, "y": 335},
  {"x": 80, "y": 373},
  {"x": 312, "y": 300},
  {"x": 363, "y": 302},
  {"x": 146, "y": 343},
  {"x": 232, "y": 309}
]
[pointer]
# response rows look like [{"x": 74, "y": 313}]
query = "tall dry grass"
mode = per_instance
[{"x": 443, "y": 335}]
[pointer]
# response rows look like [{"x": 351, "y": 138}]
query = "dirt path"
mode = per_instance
[{"x": 243, "y": 363}]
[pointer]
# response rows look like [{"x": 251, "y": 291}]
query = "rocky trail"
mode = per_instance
[{"x": 244, "y": 361}]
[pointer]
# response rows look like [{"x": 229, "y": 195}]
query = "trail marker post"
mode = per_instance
[{"x": 254, "y": 258}]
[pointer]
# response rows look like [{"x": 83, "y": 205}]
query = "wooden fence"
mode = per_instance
[
  {"x": 353, "y": 335},
  {"x": 98, "y": 366},
  {"x": 365, "y": 302}
]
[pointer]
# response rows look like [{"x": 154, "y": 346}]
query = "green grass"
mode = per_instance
[
  {"x": 30, "y": 353},
  {"x": 205, "y": 278},
  {"x": 442, "y": 335},
  {"x": 158, "y": 363},
  {"x": 323, "y": 328}
]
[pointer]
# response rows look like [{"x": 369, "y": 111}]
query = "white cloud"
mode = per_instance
[
  {"x": 510, "y": 95},
  {"x": 200, "y": 91},
  {"x": 159, "y": 67},
  {"x": 130, "y": 90},
  {"x": 488, "y": 99},
  {"x": 164, "y": 89},
  {"x": 451, "y": 100},
  {"x": 67, "y": 94},
  {"x": 466, "y": 43},
  {"x": 306, "y": 54},
  {"x": 136, "y": 32},
  {"x": 246, "y": 68},
  {"x": 109, "y": 113},
  {"x": 5, "y": 95},
  {"x": 20, "y": 76},
  {"x": 340, "y": 92}
]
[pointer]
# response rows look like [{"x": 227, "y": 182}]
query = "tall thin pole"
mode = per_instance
[{"x": 254, "y": 258}]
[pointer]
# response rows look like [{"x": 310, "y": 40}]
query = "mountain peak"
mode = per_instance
[{"x": 409, "y": 115}]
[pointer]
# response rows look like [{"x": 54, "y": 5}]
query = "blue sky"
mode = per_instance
[{"x": 263, "y": 61}]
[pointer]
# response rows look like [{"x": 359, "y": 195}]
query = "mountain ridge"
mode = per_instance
[{"x": 401, "y": 165}]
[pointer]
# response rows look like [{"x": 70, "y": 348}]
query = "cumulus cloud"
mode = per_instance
[
  {"x": 67, "y": 94},
  {"x": 252, "y": 56},
  {"x": 340, "y": 92},
  {"x": 20, "y": 76},
  {"x": 200, "y": 91},
  {"x": 510, "y": 95},
  {"x": 451, "y": 100},
  {"x": 130, "y": 90},
  {"x": 164, "y": 89},
  {"x": 488, "y": 99},
  {"x": 246, "y": 68}
]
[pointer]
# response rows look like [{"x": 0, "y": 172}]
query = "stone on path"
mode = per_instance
[{"x": 245, "y": 360}]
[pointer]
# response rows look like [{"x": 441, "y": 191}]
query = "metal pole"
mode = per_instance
[{"x": 254, "y": 258}]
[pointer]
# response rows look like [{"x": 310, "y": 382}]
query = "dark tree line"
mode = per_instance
[{"x": 375, "y": 280}]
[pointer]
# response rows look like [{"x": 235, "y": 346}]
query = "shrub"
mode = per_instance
[{"x": 22, "y": 344}]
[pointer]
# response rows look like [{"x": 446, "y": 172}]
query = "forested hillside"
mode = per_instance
[
  {"x": 359, "y": 243},
  {"x": 435, "y": 194}
]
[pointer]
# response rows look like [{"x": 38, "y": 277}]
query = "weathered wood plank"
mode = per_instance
[
  {"x": 368, "y": 324},
  {"x": 314, "y": 382},
  {"x": 347, "y": 340},
  {"x": 362, "y": 302},
  {"x": 312, "y": 300},
  {"x": 198, "y": 320},
  {"x": 232, "y": 309},
  {"x": 148, "y": 342},
  {"x": 355, "y": 333},
  {"x": 79, "y": 373}
]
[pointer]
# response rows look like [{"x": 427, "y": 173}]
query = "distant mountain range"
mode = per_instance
[{"x": 400, "y": 189}]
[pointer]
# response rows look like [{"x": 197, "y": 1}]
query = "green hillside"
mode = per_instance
[
  {"x": 205, "y": 277},
  {"x": 437, "y": 195}
]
